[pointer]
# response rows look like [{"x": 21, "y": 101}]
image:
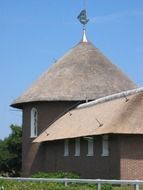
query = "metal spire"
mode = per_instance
[{"x": 84, "y": 38}]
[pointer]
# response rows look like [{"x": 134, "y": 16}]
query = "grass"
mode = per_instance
[
  {"x": 12, "y": 185},
  {"x": 15, "y": 185}
]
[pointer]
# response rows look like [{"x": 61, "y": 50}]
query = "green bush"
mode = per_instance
[
  {"x": 58, "y": 174},
  {"x": 106, "y": 187},
  {"x": 17, "y": 185}
]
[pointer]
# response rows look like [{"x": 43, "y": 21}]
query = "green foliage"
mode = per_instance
[
  {"x": 107, "y": 187},
  {"x": 16, "y": 185},
  {"x": 10, "y": 152},
  {"x": 13, "y": 185},
  {"x": 58, "y": 174}
]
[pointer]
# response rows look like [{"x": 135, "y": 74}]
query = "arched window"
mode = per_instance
[{"x": 34, "y": 120}]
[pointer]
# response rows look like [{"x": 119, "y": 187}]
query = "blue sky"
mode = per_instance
[{"x": 33, "y": 33}]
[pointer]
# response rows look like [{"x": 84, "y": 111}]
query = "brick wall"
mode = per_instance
[
  {"x": 131, "y": 151},
  {"x": 32, "y": 153},
  {"x": 88, "y": 167}
]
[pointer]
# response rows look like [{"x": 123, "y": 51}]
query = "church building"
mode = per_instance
[{"x": 83, "y": 115}]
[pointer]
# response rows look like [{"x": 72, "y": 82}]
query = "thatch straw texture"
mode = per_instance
[
  {"x": 84, "y": 73},
  {"x": 119, "y": 116}
]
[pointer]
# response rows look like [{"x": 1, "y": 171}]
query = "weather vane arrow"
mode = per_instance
[{"x": 82, "y": 17}]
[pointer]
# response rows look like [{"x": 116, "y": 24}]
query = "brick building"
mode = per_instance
[{"x": 83, "y": 115}]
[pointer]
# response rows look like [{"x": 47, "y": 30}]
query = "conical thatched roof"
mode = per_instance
[
  {"x": 83, "y": 73},
  {"x": 121, "y": 115}
]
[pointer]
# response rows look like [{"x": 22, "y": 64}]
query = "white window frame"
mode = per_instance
[
  {"x": 66, "y": 147},
  {"x": 105, "y": 145},
  {"x": 77, "y": 147},
  {"x": 34, "y": 123},
  {"x": 90, "y": 146}
]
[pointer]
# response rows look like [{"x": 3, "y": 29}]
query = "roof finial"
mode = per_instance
[
  {"x": 82, "y": 17},
  {"x": 84, "y": 38}
]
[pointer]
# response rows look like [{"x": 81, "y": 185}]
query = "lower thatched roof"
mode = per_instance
[{"x": 117, "y": 116}]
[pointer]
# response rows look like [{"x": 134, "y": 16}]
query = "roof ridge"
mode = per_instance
[{"x": 110, "y": 97}]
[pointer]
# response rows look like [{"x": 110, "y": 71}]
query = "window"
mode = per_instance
[
  {"x": 34, "y": 117},
  {"x": 66, "y": 147},
  {"x": 90, "y": 146},
  {"x": 105, "y": 145},
  {"x": 77, "y": 147}
]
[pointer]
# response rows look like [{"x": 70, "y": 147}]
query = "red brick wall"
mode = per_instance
[
  {"x": 126, "y": 151},
  {"x": 32, "y": 153},
  {"x": 49, "y": 156},
  {"x": 131, "y": 151},
  {"x": 88, "y": 167}
]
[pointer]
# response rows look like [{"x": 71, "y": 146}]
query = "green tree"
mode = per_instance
[{"x": 11, "y": 152}]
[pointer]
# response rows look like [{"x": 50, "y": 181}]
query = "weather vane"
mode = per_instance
[{"x": 82, "y": 17}]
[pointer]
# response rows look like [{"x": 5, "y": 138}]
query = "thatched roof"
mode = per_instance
[
  {"x": 83, "y": 73},
  {"x": 122, "y": 115}
]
